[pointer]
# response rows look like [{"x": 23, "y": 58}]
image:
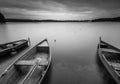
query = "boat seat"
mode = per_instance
[
  {"x": 110, "y": 50},
  {"x": 41, "y": 62},
  {"x": 116, "y": 66},
  {"x": 25, "y": 62}
]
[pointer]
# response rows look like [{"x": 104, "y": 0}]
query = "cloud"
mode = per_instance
[
  {"x": 60, "y": 9},
  {"x": 31, "y": 5},
  {"x": 46, "y": 14}
]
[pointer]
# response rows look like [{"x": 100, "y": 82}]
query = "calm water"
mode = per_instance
[{"x": 73, "y": 45}]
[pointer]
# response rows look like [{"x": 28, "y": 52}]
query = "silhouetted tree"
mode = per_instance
[{"x": 2, "y": 18}]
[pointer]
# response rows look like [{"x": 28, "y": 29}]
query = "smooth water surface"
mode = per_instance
[{"x": 73, "y": 46}]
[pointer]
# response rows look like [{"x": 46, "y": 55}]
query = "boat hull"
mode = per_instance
[
  {"x": 106, "y": 64},
  {"x": 109, "y": 69},
  {"x": 30, "y": 68},
  {"x": 16, "y": 48}
]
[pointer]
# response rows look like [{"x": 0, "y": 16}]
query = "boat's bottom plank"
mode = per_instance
[{"x": 35, "y": 76}]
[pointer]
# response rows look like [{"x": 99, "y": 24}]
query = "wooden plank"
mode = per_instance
[
  {"x": 29, "y": 74},
  {"x": 110, "y": 50},
  {"x": 39, "y": 61},
  {"x": 25, "y": 62}
]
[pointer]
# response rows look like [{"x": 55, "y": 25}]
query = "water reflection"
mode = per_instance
[
  {"x": 4, "y": 34},
  {"x": 73, "y": 48}
]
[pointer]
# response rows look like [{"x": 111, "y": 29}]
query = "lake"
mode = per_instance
[{"x": 73, "y": 46}]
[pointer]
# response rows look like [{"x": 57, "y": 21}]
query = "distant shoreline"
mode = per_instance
[{"x": 117, "y": 19}]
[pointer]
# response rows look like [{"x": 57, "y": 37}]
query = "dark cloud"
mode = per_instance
[{"x": 105, "y": 4}]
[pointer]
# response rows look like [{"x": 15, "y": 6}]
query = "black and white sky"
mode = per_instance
[{"x": 60, "y": 9}]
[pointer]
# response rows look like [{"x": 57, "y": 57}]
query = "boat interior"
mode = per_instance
[
  {"x": 112, "y": 57},
  {"x": 113, "y": 60},
  {"x": 108, "y": 48},
  {"x": 28, "y": 69}
]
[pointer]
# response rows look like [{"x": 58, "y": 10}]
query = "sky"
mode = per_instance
[{"x": 60, "y": 9}]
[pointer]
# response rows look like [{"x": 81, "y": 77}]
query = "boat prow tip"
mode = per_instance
[{"x": 100, "y": 38}]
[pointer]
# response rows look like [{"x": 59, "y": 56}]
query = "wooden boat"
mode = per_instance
[
  {"x": 110, "y": 57},
  {"x": 29, "y": 68},
  {"x": 13, "y": 47}
]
